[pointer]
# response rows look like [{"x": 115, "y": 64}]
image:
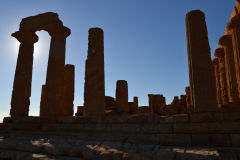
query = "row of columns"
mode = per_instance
[{"x": 227, "y": 61}]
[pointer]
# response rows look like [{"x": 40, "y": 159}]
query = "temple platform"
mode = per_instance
[{"x": 141, "y": 136}]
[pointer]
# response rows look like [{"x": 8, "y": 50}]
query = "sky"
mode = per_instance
[{"x": 144, "y": 43}]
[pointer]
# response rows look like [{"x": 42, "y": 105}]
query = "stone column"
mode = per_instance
[
  {"x": 23, "y": 75},
  {"x": 217, "y": 78},
  {"x": 188, "y": 97},
  {"x": 201, "y": 76},
  {"x": 55, "y": 70},
  {"x": 68, "y": 91},
  {"x": 234, "y": 26},
  {"x": 122, "y": 97},
  {"x": 134, "y": 107},
  {"x": 158, "y": 101},
  {"x": 150, "y": 102},
  {"x": 226, "y": 42},
  {"x": 42, "y": 100},
  {"x": 94, "y": 87},
  {"x": 219, "y": 53}
]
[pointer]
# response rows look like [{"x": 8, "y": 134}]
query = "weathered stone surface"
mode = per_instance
[
  {"x": 201, "y": 76},
  {"x": 94, "y": 87},
  {"x": 42, "y": 100},
  {"x": 122, "y": 97},
  {"x": 235, "y": 138},
  {"x": 80, "y": 111},
  {"x": 220, "y": 54},
  {"x": 233, "y": 25},
  {"x": 188, "y": 99},
  {"x": 190, "y": 128},
  {"x": 233, "y": 127},
  {"x": 217, "y": 78},
  {"x": 211, "y": 140},
  {"x": 23, "y": 75},
  {"x": 66, "y": 108},
  {"x": 174, "y": 139},
  {"x": 226, "y": 42},
  {"x": 110, "y": 103},
  {"x": 156, "y": 102},
  {"x": 134, "y": 107},
  {"x": 206, "y": 117}
]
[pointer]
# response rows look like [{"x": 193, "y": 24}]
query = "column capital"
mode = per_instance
[
  {"x": 219, "y": 53},
  {"x": 25, "y": 37},
  {"x": 56, "y": 30},
  {"x": 234, "y": 22},
  {"x": 215, "y": 61},
  {"x": 225, "y": 40}
]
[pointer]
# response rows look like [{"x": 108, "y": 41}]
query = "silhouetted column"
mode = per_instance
[
  {"x": 219, "y": 53},
  {"x": 122, "y": 97},
  {"x": 226, "y": 42},
  {"x": 134, "y": 107},
  {"x": 201, "y": 75},
  {"x": 188, "y": 97},
  {"x": 55, "y": 70},
  {"x": 156, "y": 102},
  {"x": 217, "y": 78},
  {"x": 68, "y": 91},
  {"x": 94, "y": 87},
  {"x": 23, "y": 75},
  {"x": 234, "y": 26},
  {"x": 42, "y": 100},
  {"x": 150, "y": 102}
]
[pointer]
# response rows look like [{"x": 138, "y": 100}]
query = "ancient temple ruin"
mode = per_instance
[
  {"x": 54, "y": 88},
  {"x": 204, "y": 123}
]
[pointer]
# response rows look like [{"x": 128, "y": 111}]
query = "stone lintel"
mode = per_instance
[{"x": 225, "y": 40}]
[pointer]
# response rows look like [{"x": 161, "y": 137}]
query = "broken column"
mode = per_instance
[
  {"x": 158, "y": 101},
  {"x": 234, "y": 26},
  {"x": 55, "y": 70},
  {"x": 220, "y": 54},
  {"x": 68, "y": 91},
  {"x": 42, "y": 100},
  {"x": 94, "y": 87},
  {"x": 201, "y": 76},
  {"x": 134, "y": 106},
  {"x": 23, "y": 75},
  {"x": 122, "y": 97},
  {"x": 150, "y": 102},
  {"x": 217, "y": 78},
  {"x": 226, "y": 42}
]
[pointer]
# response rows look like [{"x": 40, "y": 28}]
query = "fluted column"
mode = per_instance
[
  {"x": 94, "y": 86},
  {"x": 234, "y": 26},
  {"x": 201, "y": 75},
  {"x": 55, "y": 70},
  {"x": 220, "y": 54},
  {"x": 217, "y": 78},
  {"x": 23, "y": 75},
  {"x": 226, "y": 42}
]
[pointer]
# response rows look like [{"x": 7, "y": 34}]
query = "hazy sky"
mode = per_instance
[{"x": 144, "y": 40}]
